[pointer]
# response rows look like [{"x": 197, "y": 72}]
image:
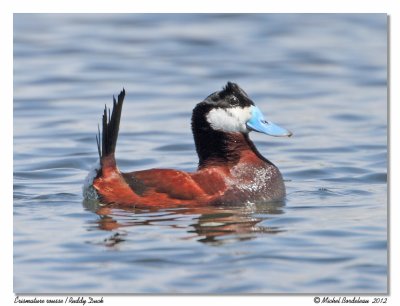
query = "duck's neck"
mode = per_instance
[{"x": 216, "y": 148}]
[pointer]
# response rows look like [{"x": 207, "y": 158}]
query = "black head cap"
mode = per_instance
[{"x": 230, "y": 96}]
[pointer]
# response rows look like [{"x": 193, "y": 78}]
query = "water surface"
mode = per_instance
[{"x": 321, "y": 76}]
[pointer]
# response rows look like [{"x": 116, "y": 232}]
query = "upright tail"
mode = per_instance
[
  {"x": 108, "y": 184},
  {"x": 107, "y": 140}
]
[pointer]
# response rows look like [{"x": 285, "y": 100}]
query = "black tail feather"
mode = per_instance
[{"x": 107, "y": 141}]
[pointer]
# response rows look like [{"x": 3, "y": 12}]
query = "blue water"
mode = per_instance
[{"x": 324, "y": 77}]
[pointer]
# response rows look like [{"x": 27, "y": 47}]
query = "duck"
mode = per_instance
[{"x": 230, "y": 170}]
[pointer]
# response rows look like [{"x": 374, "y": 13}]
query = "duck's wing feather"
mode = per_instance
[{"x": 200, "y": 186}]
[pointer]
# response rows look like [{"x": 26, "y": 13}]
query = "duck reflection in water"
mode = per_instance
[{"x": 211, "y": 225}]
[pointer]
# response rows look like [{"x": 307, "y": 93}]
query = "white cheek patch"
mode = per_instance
[{"x": 229, "y": 120}]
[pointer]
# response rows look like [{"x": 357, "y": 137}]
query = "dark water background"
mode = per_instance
[{"x": 321, "y": 76}]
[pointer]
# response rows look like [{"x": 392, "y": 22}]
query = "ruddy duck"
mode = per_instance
[{"x": 230, "y": 168}]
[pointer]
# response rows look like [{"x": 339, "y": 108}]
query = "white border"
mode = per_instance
[
  {"x": 228, "y": 6},
  {"x": 8, "y": 7}
]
